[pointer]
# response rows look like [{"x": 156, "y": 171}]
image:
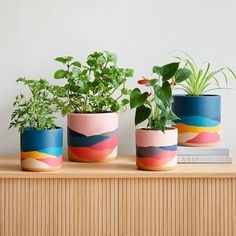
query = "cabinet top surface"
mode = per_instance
[{"x": 122, "y": 167}]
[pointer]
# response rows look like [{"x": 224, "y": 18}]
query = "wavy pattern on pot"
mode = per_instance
[
  {"x": 92, "y": 137},
  {"x": 156, "y": 150},
  {"x": 200, "y": 117},
  {"x": 41, "y": 150}
]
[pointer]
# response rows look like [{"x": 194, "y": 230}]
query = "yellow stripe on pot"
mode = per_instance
[
  {"x": 36, "y": 155},
  {"x": 182, "y": 128}
]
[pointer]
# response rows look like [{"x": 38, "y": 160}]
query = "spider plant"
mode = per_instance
[{"x": 201, "y": 79}]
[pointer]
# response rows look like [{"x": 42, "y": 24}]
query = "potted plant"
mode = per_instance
[
  {"x": 40, "y": 138},
  {"x": 91, "y": 100},
  {"x": 156, "y": 145},
  {"x": 199, "y": 111}
]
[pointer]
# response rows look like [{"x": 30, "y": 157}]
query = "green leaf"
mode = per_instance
[
  {"x": 63, "y": 60},
  {"x": 159, "y": 97},
  {"x": 172, "y": 116},
  {"x": 163, "y": 95},
  {"x": 169, "y": 70},
  {"x": 137, "y": 98},
  {"x": 124, "y": 101},
  {"x": 157, "y": 70},
  {"x": 129, "y": 72},
  {"x": 162, "y": 123},
  {"x": 125, "y": 91},
  {"x": 76, "y": 63},
  {"x": 112, "y": 57},
  {"x": 167, "y": 91},
  {"x": 156, "y": 88},
  {"x": 101, "y": 60},
  {"x": 152, "y": 82},
  {"x": 141, "y": 114},
  {"x": 115, "y": 106},
  {"x": 69, "y": 58},
  {"x": 59, "y": 74},
  {"x": 182, "y": 74}
]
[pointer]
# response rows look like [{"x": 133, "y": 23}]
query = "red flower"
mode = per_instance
[
  {"x": 149, "y": 94},
  {"x": 172, "y": 83},
  {"x": 143, "y": 81}
]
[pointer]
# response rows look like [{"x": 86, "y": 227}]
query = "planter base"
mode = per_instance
[
  {"x": 92, "y": 161},
  {"x": 199, "y": 144},
  {"x": 92, "y": 158},
  {"x": 40, "y": 169},
  {"x": 153, "y": 168}
]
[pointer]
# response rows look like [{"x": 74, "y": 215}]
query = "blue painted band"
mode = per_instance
[
  {"x": 76, "y": 139},
  {"x": 208, "y": 106},
  {"x": 33, "y": 140}
]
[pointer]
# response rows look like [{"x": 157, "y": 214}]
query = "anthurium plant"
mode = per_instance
[
  {"x": 37, "y": 111},
  {"x": 203, "y": 80},
  {"x": 154, "y": 104},
  {"x": 92, "y": 87}
]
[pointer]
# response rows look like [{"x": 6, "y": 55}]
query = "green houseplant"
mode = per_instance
[
  {"x": 41, "y": 139},
  {"x": 156, "y": 145},
  {"x": 91, "y": 96},
  {"x": 199, "y": 111}
]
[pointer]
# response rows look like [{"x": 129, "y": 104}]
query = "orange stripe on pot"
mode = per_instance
[
  {"x": 36, "y": 155},
  {"x": 182, "y": 128},
  {"x": 88, "y": 153}
]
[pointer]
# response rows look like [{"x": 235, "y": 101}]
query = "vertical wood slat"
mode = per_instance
[
  {"x": 181, "y": 207},
  {"x": 136, "y": 206}
]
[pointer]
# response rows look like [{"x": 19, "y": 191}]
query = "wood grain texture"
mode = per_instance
[{"x": 155, "y": 206}]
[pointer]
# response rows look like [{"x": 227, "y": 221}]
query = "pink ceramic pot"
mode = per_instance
[
  {"x": 92, "y": 137},
  {"x": 156, "y": 150}
]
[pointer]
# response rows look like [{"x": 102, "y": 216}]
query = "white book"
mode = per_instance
[
  {"x": 204, "y": 159},
  {"x": 203, "y": 151}
]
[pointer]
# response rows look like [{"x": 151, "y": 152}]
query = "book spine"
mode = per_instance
[
  {"x": 204, "y": 152},
  {"x": 204, "y": 159}
]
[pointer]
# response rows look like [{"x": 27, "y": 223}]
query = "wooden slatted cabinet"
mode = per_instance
[{"x": 117, "y": 199}]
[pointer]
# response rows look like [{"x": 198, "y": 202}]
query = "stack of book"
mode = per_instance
[{"x": 203, "y": 155}]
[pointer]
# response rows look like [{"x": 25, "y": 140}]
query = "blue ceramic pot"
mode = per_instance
[
  {"x": 41, "y": 150},
  {"x": 199, "y": 123}
]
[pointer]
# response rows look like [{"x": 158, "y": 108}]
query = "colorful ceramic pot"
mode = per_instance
[
  {"x": 199, "y": 123},
  {"x": 156, "y": 150},
  {"x": 41, "y": 150},
  {"x": 92, "y": 137}
]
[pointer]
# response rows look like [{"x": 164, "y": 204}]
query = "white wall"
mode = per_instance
[{"x": 141, "y": 32}]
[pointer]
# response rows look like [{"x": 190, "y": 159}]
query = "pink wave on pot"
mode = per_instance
[
  {"x": 52, "y": 161},
  {"x": 205, "y": 138},
  {"x": 109, "y": 143}
]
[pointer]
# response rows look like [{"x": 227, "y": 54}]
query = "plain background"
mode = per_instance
[{"x": 141, "y": 32}]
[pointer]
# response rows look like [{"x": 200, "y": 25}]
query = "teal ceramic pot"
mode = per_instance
[
  {"x": 41, "y": 150},
  {"x": 200, "y": 118}
]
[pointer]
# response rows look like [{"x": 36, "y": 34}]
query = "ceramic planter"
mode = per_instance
[
  {"x": 156, "y": 150},
  {"x": 41, "y": 150},
  {"x": 92, "y": 137},
  {"x": 199, "y": 123}
]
